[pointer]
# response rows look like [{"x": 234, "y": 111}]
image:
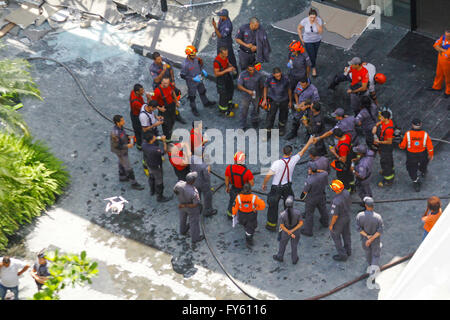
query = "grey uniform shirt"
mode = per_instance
[
  {"x": 296, "y": 217},
  {"x": 119, "y": 141},
  {"x": 203, "y": 180},
  {"x": 187, "y": 194},
  {"x": 367, "y": 120},
  {"x": 340, "y": 206},
  {"x": 254, "y": 82},
  {"x": 347, "y": 125},
  {"x": 299, "y": 64},
  {"x": 370, "y": 222},
  {"x": 247, "y": 35},
  {"x": 190, "y": 69},
  {"x": 365, "y": 164},
  {"x": 309, "y": 93},
  {"x": 315, "y": 185},
  {"x": 156, "y": 69},
  {"x": 322, "y": 163},
  {"x": 277, "y": 89}
]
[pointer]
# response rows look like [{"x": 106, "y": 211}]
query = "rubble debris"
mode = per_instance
[
  {"x": 35, "y": 35},
  {"x": 3, "y": 4},
  {"x": 60, "y": 16},
  {"x": 31, "y": 3},
  {"x": 104, "y": 8},
  {"x": 47, "y": 12},
  {"x": 6, "y": 29},
  {"x": 145, "y": 8},
  {"x": 85, "y": 23},
  {"x": 23, "y": 16}
]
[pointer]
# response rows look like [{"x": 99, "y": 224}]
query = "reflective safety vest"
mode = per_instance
[
  {"x": 246, "y": 202},
  {"x": 416, "y": 141}
]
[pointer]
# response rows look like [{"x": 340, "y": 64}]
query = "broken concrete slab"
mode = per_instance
[
  {"x": 146, "y": 8},
  {"x": 168, "y": 37},
  {"x": 104, "y": 8},
  {"x": 47, "y": 12},
  {"x": 23, "y": 16},
  {"x": 60, "y": 16},
  {"x": 7, "y": 28},
  {"x": 35, "y": 35}
]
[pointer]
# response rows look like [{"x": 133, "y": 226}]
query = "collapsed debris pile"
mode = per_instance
[{"x": 28, "y": 16}]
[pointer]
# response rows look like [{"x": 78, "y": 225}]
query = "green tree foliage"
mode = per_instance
[
  {"x": 66, "y": 269},
  {"x": 30, "y": 178}
]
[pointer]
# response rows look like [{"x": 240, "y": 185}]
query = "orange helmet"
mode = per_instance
[
  {"x": 191, "y": 50},
  {"x": 296, "y": 46},
  {"x": 337, "y": 165},
  {"x": 258, "y": 66},
  {"x": 380, "y": 78},
  {"x": 239, "y": 157},
  {"x": 337, "y": 185}
]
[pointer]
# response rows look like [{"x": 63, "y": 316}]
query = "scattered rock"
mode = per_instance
[{"x": 74, "y": 154}]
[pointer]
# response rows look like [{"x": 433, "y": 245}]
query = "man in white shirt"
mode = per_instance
[
  {"x": 9, "y": 276},
  {"x": 282, "y": 171}
]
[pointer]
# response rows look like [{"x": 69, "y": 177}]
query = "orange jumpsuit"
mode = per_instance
[{"x": 443, "y": 65}]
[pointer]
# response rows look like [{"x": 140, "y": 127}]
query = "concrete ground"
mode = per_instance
[{"x": 140, "y": 253}]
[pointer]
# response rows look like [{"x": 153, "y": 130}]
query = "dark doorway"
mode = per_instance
[{"x": 433, "y": 16}]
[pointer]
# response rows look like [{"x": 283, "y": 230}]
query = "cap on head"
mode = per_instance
[
  {"x": 190, "y": 177},
  {"x": 339, "y": 112},
  {"x": 380, "y": 78},
  {"x": 337, "y": 185},
  {"x": 355, "y": 60},
  {"x": 239, "y": 157},
  {"x": 222, "y": 13},
  {"x": 191, "y": 50},
  {"x": 416, "y": 123},
  {"x": 368, "y": 201},
  {"x": 289, "y": 202},
  {"x": 360, "y": 149}
]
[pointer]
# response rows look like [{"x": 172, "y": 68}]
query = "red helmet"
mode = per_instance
[
  {"x": 337, "y": 185},
  {"x": 191, "y": 50},
  {"x": 239, "y": 157},
  {"x": 296, "y": 46},
  {"x": 380, "y": 78}
]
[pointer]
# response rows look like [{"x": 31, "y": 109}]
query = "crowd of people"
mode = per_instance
[{"x": 349, "y": 148}]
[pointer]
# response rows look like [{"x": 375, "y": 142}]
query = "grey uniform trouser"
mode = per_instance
[
  {"x": 193, "y": 88},
  {"x": 373, "y": 252},
  {"x": 206, "y": 197},
  {"x": 341, "y": 233},
  {"x": 245, "y": 59},
  {"x": 294, "y": 244},
  {"x": 310, "y": 205},
  {"x": 245, "y": 104},
  {"x": 363, "y": 187},
  {"x": 194, "y": 222},
  {"x": 355, "y": 101},
  {"x": 125, "y": 169}
]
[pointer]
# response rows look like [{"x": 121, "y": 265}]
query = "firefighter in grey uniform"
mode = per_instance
[
  {"x": 299, "y": 63},
  {"x": 314, "y": 196},
  {"x": 120, "y": 144},
  {"x": 192, "y": 71},
  {"x": 203, "y": 183},
  {"x": 277, "y": 95},
  {"x": 254, "y": 47},
  {"x": 153, "y": 159},
  {"x": 189, "y": 207},
  {"x": 370, "y": 225},
  {"x": 290, "y": 224},
  {"x": 223, "y": 30},
  {"x": 367, "y": 119},
  {"x": 363, "y": 170},
  {"x": 251, "y": 83},
  {"x": 345, "y": 123},
  {"x": 340, "y": 221},
  {"x": 305, "y": 93},
  {"x": 321, "y": 162}
]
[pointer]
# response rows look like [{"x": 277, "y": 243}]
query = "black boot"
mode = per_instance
[
  {"x": 282, "y": 130},
  {"x": 333, "y": 84},
  {"x": 151, "y": 182},
  {"x": 160, "y": 197},
  {"x": 249, "y": 241},
  {"x": 135, "y": 185},
  {"x": 195, "y": 111}
]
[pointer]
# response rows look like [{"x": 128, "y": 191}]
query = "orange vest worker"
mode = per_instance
[
  {"x": 416, "y": 141},
  {"x": 443, "y": 64}
]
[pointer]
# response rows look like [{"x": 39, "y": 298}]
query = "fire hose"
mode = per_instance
[{"x": 345, "y": 285}]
